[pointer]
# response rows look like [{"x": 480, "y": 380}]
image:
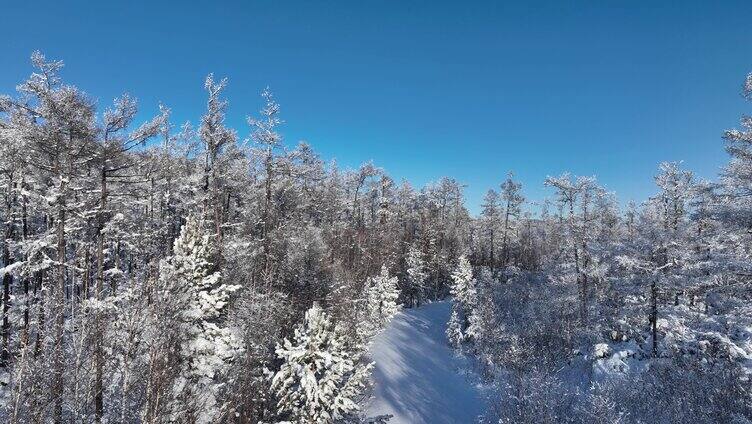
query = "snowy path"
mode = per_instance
[{"x": 416, "y": 374}]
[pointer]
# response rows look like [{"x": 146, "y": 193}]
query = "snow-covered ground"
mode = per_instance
[{"x": 417, "y": 377}]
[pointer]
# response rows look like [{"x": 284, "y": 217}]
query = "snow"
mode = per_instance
[
  {"x": 417, "y": 377},
  {"x": 10, "y": 268},
  {"x": 611, "y": 359}
]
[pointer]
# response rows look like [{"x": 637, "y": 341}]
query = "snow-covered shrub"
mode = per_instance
[
  {"x": 536, "y": 396},
  {"x": 677, "y": 391}
]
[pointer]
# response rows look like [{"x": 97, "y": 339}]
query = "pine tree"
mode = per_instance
[
  {"x": 208, "y": 348},
  {"x": 465, "y": 300},
  {"x": 382, "y": 295},
  {"x": 319, "y": 377},
  {"x": 416, "y": 274},
  {"x": 463, "y": 288},
  {"x": 454, "y": 329}
]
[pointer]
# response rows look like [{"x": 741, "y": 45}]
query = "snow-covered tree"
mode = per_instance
[
  {"x": 465, "y": 301},
  {"x": 216, "y": 138},
  {"x": 490, "y": 221},
  {"x": 575, "y": 197},
  {"x": 381, "y": 298},
  {"x": 512, "y": 199},
  {"x": 463, "y": 287},
  {"x": 320, "y": 377},
  {"x": 416, "y": 275},
  {"x": 208, "y": 348},
  {"x": 454, "y": 333}
]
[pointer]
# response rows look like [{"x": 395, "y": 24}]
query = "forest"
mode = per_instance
[{"x": 158, "y": 272}]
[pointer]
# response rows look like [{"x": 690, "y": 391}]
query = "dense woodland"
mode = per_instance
[{"x": 155, "y": 272}]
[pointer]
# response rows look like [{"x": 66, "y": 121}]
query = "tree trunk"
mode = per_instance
[
  {"x": 267, "y": 217},
  {"x": 577, "y": 269},
  {"x": 59, "y": 361},
  {"x": 7, "y": 278},
  {"x": 493, "y": 262},
  {"x": 654, "y": 314},
  {"x": 504, "y": 240},
  {"x": 40, "y": 313},
  {"x": 24, "y": 234},
  {"x": 98, "y": 354}
]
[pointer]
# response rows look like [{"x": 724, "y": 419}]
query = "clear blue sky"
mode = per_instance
[{"x": 426, "y": 88}]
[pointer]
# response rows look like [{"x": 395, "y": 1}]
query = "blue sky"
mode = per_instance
[{"x": 426, "y": 89}]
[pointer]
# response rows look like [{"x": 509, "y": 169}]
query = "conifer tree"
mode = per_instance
[
  {"x": 320, "y": 377},
  {"x": 416, "y": 275},
  {"x": 208, "y": 348},
  {"x": 382, "y": 295},
  {"x": 454, "y": 329},
  {"x": 465, "y": 300}
]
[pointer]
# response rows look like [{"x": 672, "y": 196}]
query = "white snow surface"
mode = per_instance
[{"x": 417, "y": 376}]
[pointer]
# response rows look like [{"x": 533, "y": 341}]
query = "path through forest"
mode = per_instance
[{"x": 417, "y": 377}]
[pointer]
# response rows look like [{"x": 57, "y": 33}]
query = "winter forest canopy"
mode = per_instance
[{"x": 154, "y": 272}]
